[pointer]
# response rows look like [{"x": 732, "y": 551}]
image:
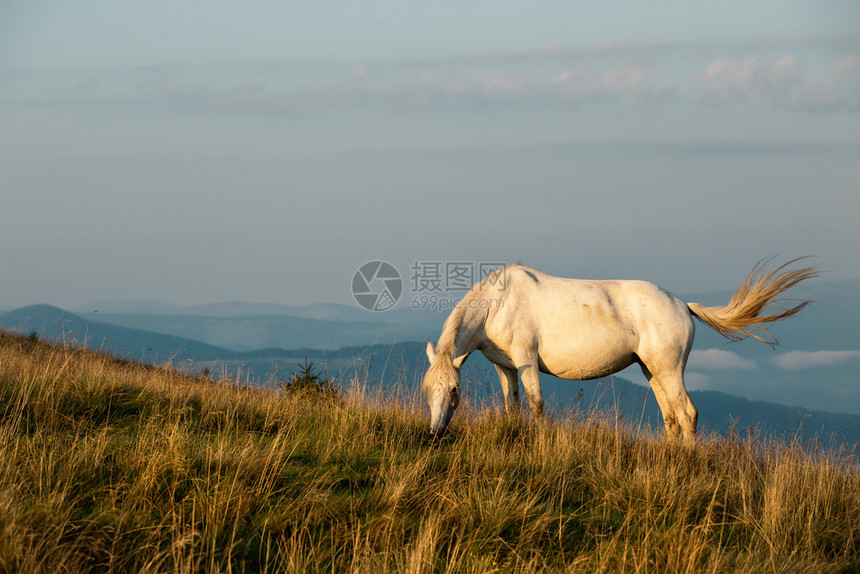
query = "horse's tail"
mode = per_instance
[{"x": 750, "y": 306}]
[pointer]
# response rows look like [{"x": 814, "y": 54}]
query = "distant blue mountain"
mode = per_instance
[
  {"x": 320, "y": 311},
  {"x": 53, "y": 323},
  {"x": 252, "y": 332}
]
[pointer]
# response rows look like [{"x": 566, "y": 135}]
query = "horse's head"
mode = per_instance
[{"x": 442, "y": 384}]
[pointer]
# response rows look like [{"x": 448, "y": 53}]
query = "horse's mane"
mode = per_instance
[
  {"x": 445, "y": 346},
  {"x": 452, "y": 324}
]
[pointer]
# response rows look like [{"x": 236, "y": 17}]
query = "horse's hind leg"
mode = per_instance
[
  {"x": 510, "y": 389},
  {"x": 688, "y": 415},
  {"x": 677, "y": 397},
  {"x": 679, "y": 413},
  {"x": 670, "y": 422}
]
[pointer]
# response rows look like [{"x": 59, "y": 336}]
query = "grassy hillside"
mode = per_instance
[{"x": 116, "y": 466}]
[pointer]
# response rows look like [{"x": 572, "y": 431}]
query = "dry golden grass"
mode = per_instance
[{"x": 114, "y": 466}]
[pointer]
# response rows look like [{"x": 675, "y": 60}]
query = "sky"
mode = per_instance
[{"x": 197, "y": 152}]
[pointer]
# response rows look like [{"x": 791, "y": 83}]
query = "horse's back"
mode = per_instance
[
  {"x": 615, "y": 299},
  {"x": 586, "y": 328}
]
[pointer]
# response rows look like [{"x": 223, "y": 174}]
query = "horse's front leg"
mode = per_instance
[
  {"x": 527, "y": 368},
  {"x": 510, "y": 389}
]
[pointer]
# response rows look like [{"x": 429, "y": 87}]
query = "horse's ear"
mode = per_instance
[
  {"x": 431, "y": 351},
  {"x": 459, "y": 360}
]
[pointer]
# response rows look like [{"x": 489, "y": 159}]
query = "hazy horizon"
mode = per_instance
[{"x": 348, "y": 300}]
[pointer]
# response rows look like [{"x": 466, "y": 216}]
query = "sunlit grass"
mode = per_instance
[{"x": 115, "y": 466}]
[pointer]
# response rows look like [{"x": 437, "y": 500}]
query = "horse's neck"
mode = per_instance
[{"x": 463, "y": 330}]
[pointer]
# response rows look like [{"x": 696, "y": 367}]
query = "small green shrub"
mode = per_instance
[{"x": 306, "y": 381}]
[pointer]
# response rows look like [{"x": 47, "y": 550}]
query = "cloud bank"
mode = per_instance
[
  {"x": 783, "y": 82},
  {"x": 719, "y": 360},
  {"x": 553, "y": 75},
  {"x": 799, "y": 360}
]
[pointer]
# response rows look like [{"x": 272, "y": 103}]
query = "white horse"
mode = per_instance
[{"x": 527, "y": 322}]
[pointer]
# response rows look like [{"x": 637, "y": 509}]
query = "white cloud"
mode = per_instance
[
  {"x": 783, "y": 82},
  {"x": 499, "y": 84},
  {"x": 719, "y": 360},
  {"x": 696, "y": 381},
  {"x": 840, "y": 86},
  {"x": 850, "y": 65},
  {"x": 798, "y": 360},
  {"x": 750, "y": 80},
  {"x": 425, "y": 87},
  {"x": 622, "y": 80},
  {"x": 612, "y": 72}
]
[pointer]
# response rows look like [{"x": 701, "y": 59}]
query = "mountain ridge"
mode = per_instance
[{"x": 55, "y": 323}]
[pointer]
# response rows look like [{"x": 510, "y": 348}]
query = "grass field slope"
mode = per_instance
[{"x": 115, "y": 466}]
